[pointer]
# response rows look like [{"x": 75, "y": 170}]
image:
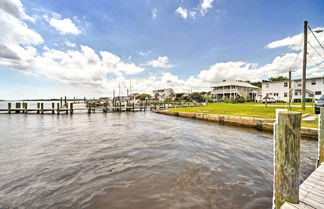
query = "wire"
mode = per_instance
[
  {"x": 315, "y": 50},
  {"x": 301, "y": 44},
  {"x": 316, "y": 37}
]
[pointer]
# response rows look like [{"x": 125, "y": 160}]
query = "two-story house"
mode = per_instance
[{"x": 231, "y": 89}]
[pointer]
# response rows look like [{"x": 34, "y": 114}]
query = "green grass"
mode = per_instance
[{"x": 245, "y": 110}]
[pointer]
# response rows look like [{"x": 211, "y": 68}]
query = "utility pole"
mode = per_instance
[
  {"x": 119, "y": 89},
  {"x": 289, "y": 90},
  {"x": 304, "y": 66}
]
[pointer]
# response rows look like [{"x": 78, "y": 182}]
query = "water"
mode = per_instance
[{"x": 135, "y": 160}]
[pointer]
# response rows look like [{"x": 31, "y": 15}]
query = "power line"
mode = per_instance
[
  {"x": 315, "y": 50},
  {"x": 316, "y": 37},
  {"x": 301, "y": 44}
]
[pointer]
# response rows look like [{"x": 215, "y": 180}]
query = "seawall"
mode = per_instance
[{"x": 258, "y": 123}]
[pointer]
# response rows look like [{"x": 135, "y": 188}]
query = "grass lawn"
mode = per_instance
[{"x": 246, "y": 110}]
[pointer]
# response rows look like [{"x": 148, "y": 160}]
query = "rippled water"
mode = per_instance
[{"x": 135, "y": 160}]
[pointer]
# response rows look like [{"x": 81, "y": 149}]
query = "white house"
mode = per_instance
[
  {"x": 278, "y": 90},
  {"x": 231, "y": 89},
  {"x": 163, "y": 94}
]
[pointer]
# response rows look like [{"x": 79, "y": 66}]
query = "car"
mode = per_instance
[{"x": 318, "y": 104}]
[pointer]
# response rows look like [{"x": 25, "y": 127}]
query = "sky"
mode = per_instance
[{"x": 55, "y": 48}]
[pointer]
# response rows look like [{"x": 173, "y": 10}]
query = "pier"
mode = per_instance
[
  {"x": 288, "y": 192},
  {"x": 92, "y": 107}
]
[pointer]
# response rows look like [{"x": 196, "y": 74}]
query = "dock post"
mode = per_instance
[
  {"x": 38, "y": 107},
  {"x": 53, "y": 108},
  {"x": 9, "y": 108},
  {"x": 66, "y": 107},
  {"x": 65, "y": 103},
  {"x": 71, "y": 108},
  {"x": 42, "y": 108},
  {"x": 321, "y": 137},
  {"x": 105, "y": 107},
  {"x": 26, "y": 107},
  {"x": 89, "y": 107},
  {"x": 17, "y": 106},
  {"x": 133, "y": 106},
  {"x": 58, "y": 108},
  {"x": 287, "y": 158},
  {"x": 61, "y": 102}
]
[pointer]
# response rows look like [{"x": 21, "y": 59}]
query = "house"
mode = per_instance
[
  {"x": 163, "y": 94},
  {"x": 133, "y": 96},
  {"x": 231, "y": 89},
  {"x": 278, "y": 90}
]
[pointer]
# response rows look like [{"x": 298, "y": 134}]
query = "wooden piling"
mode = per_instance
[
  {"x": 89, "y": 107},
  {"x": 9, "y": 108},
  {"x": 321, "y": 137},
  {"x": 58, "y": 108},
  {"x": 133, "y": 106},
  {"x": 26, "y": 106},
  {"x": 38, "y": 107},
  {"x": 71, "y": 108},
  {"x": 17, "y": 107},
  {"x": 53, "y": 108},
  {"x": 65, "y": 103},
  {"x": 42, "y": 108},
  {"x": 61, "y": 102},
  {"x": 287, "y": 158}
]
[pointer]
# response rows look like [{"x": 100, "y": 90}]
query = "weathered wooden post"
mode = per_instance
[
  {"x": 89, "y": 107},
  {"x": 93, "y": 107},
  {"x": 58, "y": 108},
  {"x": 133, "y": 106},
  {"x": 61, "y": 102},
  {"x": 26, "y": 107},
  {"x": 38, "y": 107},
  {"x": 42, "y": 108},
  {"x": 9, "y": 108},
  {"x": 17, "y": 106},
  {"x": 321, "y": 137},
  {"x": 71, "y": 108},
  {"x": 66, "y": 107},
  {"x": 53, "y": 108},
  {"x": 287, "y": 158},
  {"x": 65, "y": 104}
]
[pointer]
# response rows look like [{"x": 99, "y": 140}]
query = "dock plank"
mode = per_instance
[{"x": 311, "y": 192}]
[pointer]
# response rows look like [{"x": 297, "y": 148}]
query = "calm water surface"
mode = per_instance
[{"x": 135, "y": 160}]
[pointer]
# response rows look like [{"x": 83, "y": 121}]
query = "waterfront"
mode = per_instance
[{"x": 135, "y": 160}]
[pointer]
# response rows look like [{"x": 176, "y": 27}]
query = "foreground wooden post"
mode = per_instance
[
  {"x": 61, "y": 102},
  {"x": 38, "y": 107},
  {"x": 321, "y": 137},
  {"x": 9, "y": 108},
  {"x": 17, "y": 106},
  {"x": 53, "y": 108},
  {"x": 42, "y": 108},
  {"x": 89, "y": 107},
  {"x": 71, "y": 108},
  {"x": 65, "y": 103},
  {"x": 287, "y": 158}
]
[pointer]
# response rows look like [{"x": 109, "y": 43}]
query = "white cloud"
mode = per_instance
[
  {"x": 144, "y": 53},
  {"x": 205, "y": 5},
  {"x": 182, "y": 12},
  {"x": 154, "y": 13},
  {"x": 161, "y": 62},
  {"x": 64, "y": 26},
  {"x": 70, "y": 44}
]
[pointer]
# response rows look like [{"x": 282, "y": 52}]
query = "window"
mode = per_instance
[
  {"x": 299, "y": 85},
  {"x": 275, "y": 94},
  {"x": 318, "y": 92},
  {"x": 285, "y": 94},
  {"x": 296, "y": 93},
  {"x": 311, "y": 95},
  {"x": 313, "y": 82},
  {"x": 270, "y": 94},
  {"x": 285, "y": 84}
]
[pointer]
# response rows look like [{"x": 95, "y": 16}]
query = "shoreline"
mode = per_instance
[{"x": 257, "y": 123}]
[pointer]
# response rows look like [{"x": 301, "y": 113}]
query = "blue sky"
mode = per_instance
[{"x": 87, "y": 48}]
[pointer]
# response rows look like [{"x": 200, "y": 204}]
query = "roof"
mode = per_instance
[
  {"x": 299, "y": 79},
  {"x": 235, "y": 83}
]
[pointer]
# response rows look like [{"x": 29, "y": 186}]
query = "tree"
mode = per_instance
[
  {"x": 279, "y": 78},
  {"x": 143, "y": 96}
]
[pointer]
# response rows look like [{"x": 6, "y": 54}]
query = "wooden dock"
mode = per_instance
[
  {"x": 311, "y": 192},
  {"x": 59, "y": 108},
  {"x": 288, "y": 193}
]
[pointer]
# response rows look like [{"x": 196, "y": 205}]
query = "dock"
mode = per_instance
[
  {"x": 60, "y": 108},
  {"x": 311, "y": 192},
  {"x": 288, "y": 192}
]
